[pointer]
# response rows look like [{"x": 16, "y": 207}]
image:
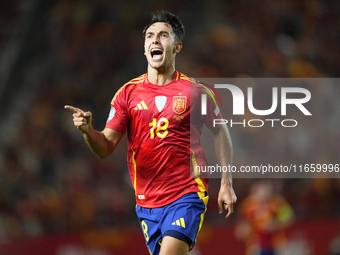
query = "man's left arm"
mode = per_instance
[{"x": 224, "y": 152}]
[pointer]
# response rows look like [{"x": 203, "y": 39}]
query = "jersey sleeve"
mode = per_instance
[
  {"x": 118, "y": 116},
  {"x": 213, "y": 111}
]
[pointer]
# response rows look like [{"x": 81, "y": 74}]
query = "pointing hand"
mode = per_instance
[{"x": 81, "y": 119}]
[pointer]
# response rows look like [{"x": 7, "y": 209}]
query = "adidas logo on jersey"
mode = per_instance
[
  {"x": 179, "y": 222},
  {"x": 141, "y": 106}
]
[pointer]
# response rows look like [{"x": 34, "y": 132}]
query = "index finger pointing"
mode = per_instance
[{"x": 73, "y": 109}]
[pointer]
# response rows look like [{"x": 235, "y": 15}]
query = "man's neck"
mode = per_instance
[{"x": 161, "y": 77}]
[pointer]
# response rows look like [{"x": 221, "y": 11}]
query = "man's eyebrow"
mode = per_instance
[{"x": 160, "y": 32}]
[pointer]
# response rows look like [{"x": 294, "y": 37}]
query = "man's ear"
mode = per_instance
[{"x": 178, "y": 47}]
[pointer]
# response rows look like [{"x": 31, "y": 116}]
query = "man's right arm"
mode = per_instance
[{"x": 102, "y": 143}]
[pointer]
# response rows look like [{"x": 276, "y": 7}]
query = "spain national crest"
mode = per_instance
[{"x": 179, "y": 104}]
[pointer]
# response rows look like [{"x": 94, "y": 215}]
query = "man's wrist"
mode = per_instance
[{"x": 227, "y": 181}]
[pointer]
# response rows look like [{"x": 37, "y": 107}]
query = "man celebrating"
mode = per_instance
[{"x": 161, "y": 113}]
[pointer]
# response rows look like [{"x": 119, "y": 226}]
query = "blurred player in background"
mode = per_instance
[
  {"x": 163, "y": 124},
  {"x": 263, "y": 217}
]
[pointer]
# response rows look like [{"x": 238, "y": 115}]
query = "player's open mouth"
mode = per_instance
[{"x": 156, "y": 54}]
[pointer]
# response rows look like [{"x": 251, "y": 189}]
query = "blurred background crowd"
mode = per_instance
[{"x": 79, "y": 52}]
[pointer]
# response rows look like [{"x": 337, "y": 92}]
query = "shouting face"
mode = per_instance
[{"x": 160, "y": 45}]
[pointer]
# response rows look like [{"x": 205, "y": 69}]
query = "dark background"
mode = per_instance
[{"x": 80, "y": 53}]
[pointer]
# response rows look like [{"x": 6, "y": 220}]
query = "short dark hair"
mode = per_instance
[{"x": 171, "y": 19}]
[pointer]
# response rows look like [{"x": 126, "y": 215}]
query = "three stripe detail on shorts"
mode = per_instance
[{"x": 179, "y": 222}]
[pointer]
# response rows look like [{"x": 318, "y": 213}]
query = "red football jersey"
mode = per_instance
[{"x": 163, "y": 123}]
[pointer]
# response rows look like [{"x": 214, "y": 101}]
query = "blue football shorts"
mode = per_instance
[{"x": 182, "y": 219}]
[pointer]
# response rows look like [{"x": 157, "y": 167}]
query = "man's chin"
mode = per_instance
[{"x": 156, "y": 65}]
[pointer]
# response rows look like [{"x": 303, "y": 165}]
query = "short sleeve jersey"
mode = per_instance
[{"x": 163, "y": 125}]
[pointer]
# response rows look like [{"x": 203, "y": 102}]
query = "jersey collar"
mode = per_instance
[{"x": 177, "y": 76}]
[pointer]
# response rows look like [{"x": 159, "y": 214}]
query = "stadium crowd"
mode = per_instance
[{"x": 49, "y": 179}]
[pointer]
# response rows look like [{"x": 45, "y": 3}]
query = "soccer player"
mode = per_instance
[
  {"x": 264, "y": 216},
  {"x": 160, "y": 111}
]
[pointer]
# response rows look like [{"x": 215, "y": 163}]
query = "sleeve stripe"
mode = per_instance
[
  {"x": 133, "y": 81},
  {"x": 210, "y": 94},
  {"x": 184, "y": 77},
  {"x": 212, "y": 91},
  {"x": 117, "y": 93}
]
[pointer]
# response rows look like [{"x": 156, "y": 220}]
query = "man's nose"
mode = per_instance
[{"x": 156, "y": 40}]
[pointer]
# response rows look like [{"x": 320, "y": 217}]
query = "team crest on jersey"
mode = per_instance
[{"x": 179, "y": 104}]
